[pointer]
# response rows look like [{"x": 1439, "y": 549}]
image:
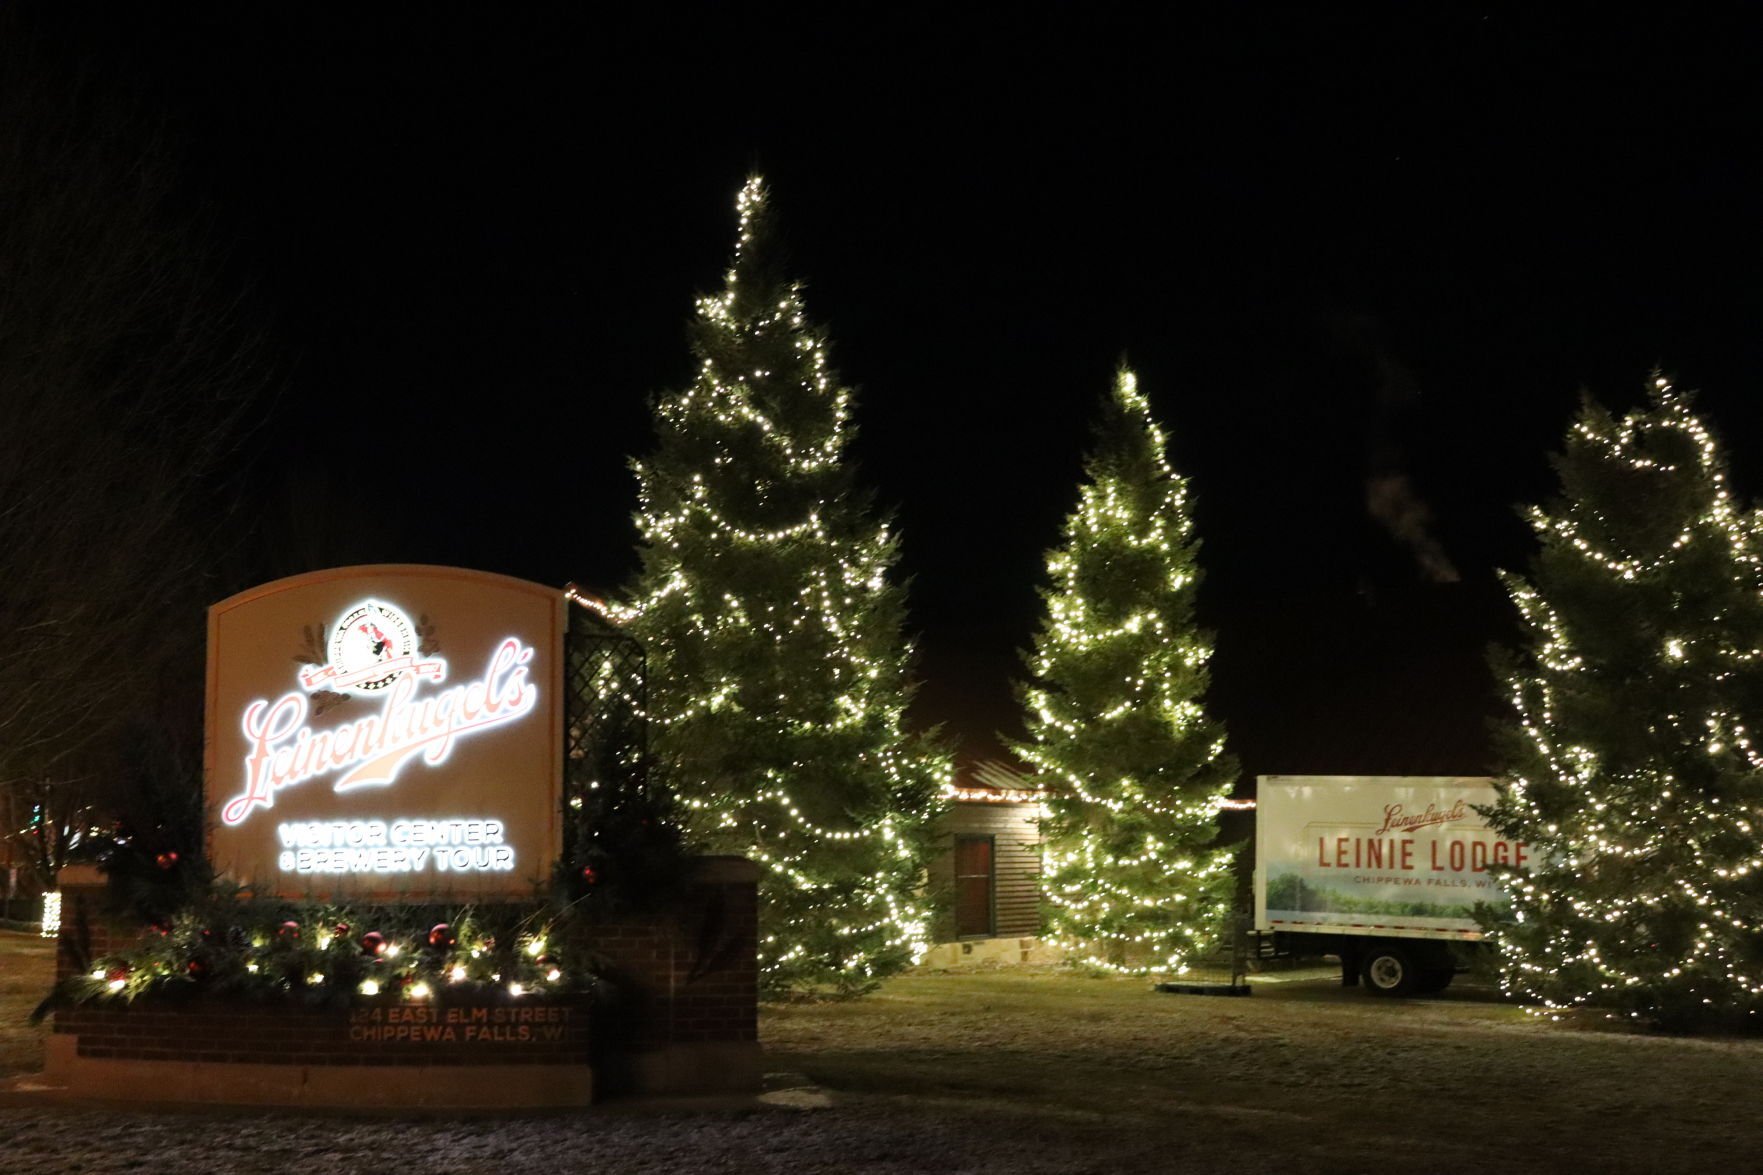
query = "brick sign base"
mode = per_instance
[{"x": 685, "y": 1021}]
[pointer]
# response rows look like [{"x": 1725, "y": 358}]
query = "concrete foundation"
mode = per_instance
[{"x": 988, "y": 952}]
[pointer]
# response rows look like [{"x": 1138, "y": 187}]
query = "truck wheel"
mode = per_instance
[
  {"x": 1390, "y": 971},
  {"x": 1435, "y": 979}
]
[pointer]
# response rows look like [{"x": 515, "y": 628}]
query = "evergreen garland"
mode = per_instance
[{"x": 224, "y": 945}]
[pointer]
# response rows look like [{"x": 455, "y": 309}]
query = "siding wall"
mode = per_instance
[{"x": 1016, "y": 864}]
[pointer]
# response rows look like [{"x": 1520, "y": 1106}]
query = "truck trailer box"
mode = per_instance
[{"x": 1380, "y": 870}]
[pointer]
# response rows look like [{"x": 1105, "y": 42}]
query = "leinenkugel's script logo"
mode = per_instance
[
  {"x": 1396, "y": 819},
  {"x": 373, "y": 654}
]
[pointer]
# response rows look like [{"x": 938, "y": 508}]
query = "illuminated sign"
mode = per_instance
[
  {"x": 403, "y": 846},
  {"x": 284, "y": 751},
  {"x": 386, "y": 731},
  {"x": 1389, "y": 855}
]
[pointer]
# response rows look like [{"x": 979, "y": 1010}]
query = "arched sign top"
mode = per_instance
[
  {"x": 375, "y": 571},
  {"x": 392, "y": 730}
]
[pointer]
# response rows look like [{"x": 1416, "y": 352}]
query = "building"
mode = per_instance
[{"x": 987, "y": 878}]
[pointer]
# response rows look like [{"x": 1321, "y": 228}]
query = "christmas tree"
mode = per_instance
[
  {"x": 777, "y": 666},
  {"x": 1134, "y": 768},
  {"x": 1630, "y": 771}
]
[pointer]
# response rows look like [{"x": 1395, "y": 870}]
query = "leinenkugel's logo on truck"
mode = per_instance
[
  {"x": 372, "y": 654},
  {"x": 1397, "y": 819},
  {"x": 1383, "y": 855},
  {"x": 1408, "y": 838}
]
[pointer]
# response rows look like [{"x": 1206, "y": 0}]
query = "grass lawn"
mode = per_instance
[
  {"x": 27, "y": 968},
  {"x": 1303, "y": 1071},
  {"x": 1040, "y": 1071}
]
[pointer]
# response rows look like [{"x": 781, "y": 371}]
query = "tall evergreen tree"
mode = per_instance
[
  {"x": 1135, "y": 769},
  {"x": 1630, "y": 770},
  {"x": 778, "y": 668}
]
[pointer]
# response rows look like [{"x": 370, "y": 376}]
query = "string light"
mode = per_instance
[
  {"x": 1636, "y": 781},
  {"x": 275, "y": 957},
  {"x": 1134, "y": 771},
  {"x": 777, "y": 673}
]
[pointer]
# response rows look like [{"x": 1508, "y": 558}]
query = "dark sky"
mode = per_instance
[{"x": 1348, "y": 249}]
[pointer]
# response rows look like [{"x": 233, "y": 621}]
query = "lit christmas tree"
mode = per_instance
[
  {"x": 1630, "y": 771},
  {"x": 1135, "y": 770},
  {"x": 777, "y": 665}
]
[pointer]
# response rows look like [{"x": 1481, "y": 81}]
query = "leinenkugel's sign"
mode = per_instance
[{"x": 390, "y": 731}]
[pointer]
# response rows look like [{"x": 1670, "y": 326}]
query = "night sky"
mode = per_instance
[{"x": 1364, "y": 262}]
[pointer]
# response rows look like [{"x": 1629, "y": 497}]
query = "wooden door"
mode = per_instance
[{"x": 973, "y": 887}]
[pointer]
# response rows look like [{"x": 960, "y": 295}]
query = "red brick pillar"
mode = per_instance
[
  {"x": 88, "y": 932},
  {"x": 685, "y": 1017}
]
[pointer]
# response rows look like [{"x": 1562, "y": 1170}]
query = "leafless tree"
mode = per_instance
[{"x": 126, "y": 372}]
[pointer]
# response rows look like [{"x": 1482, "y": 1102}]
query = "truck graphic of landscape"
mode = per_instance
[{"x": 1400, "y": 854}]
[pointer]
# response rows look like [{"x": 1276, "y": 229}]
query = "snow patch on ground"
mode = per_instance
[
  {"x": 1036, "y": 1073},
  {"x": 806, "y": 1098}
]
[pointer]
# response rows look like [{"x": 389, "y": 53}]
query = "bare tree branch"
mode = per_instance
[{"x": 128, "y": 368}]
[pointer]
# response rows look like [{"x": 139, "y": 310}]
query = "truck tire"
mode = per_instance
[{"x": 1390, "y": 970}]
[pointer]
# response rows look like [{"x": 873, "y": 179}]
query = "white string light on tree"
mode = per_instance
[
  {"x": 1134, "y": 771},
  {"x": 1629, "y": 766},
  {"x": 777, "y": 665}
]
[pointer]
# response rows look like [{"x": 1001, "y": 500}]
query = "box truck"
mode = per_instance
[{"x": 1384, "y": 872}]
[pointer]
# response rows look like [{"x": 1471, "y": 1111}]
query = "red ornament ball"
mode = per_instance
[
  {"x": 441, "y": 936},
  {"x": 590, "y": 874},
  {"x": 373, "y": 942},
  {"x": 197, "y": 968},
  {"x": 288, "y": 930},
  {"x": 341, "y": 930},
  {"x": 117, "y": 974}
]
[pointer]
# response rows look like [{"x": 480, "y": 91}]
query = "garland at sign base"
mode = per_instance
[
  {"x": 321, "y": 954},
  {"x": 623, "y": 856}
]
